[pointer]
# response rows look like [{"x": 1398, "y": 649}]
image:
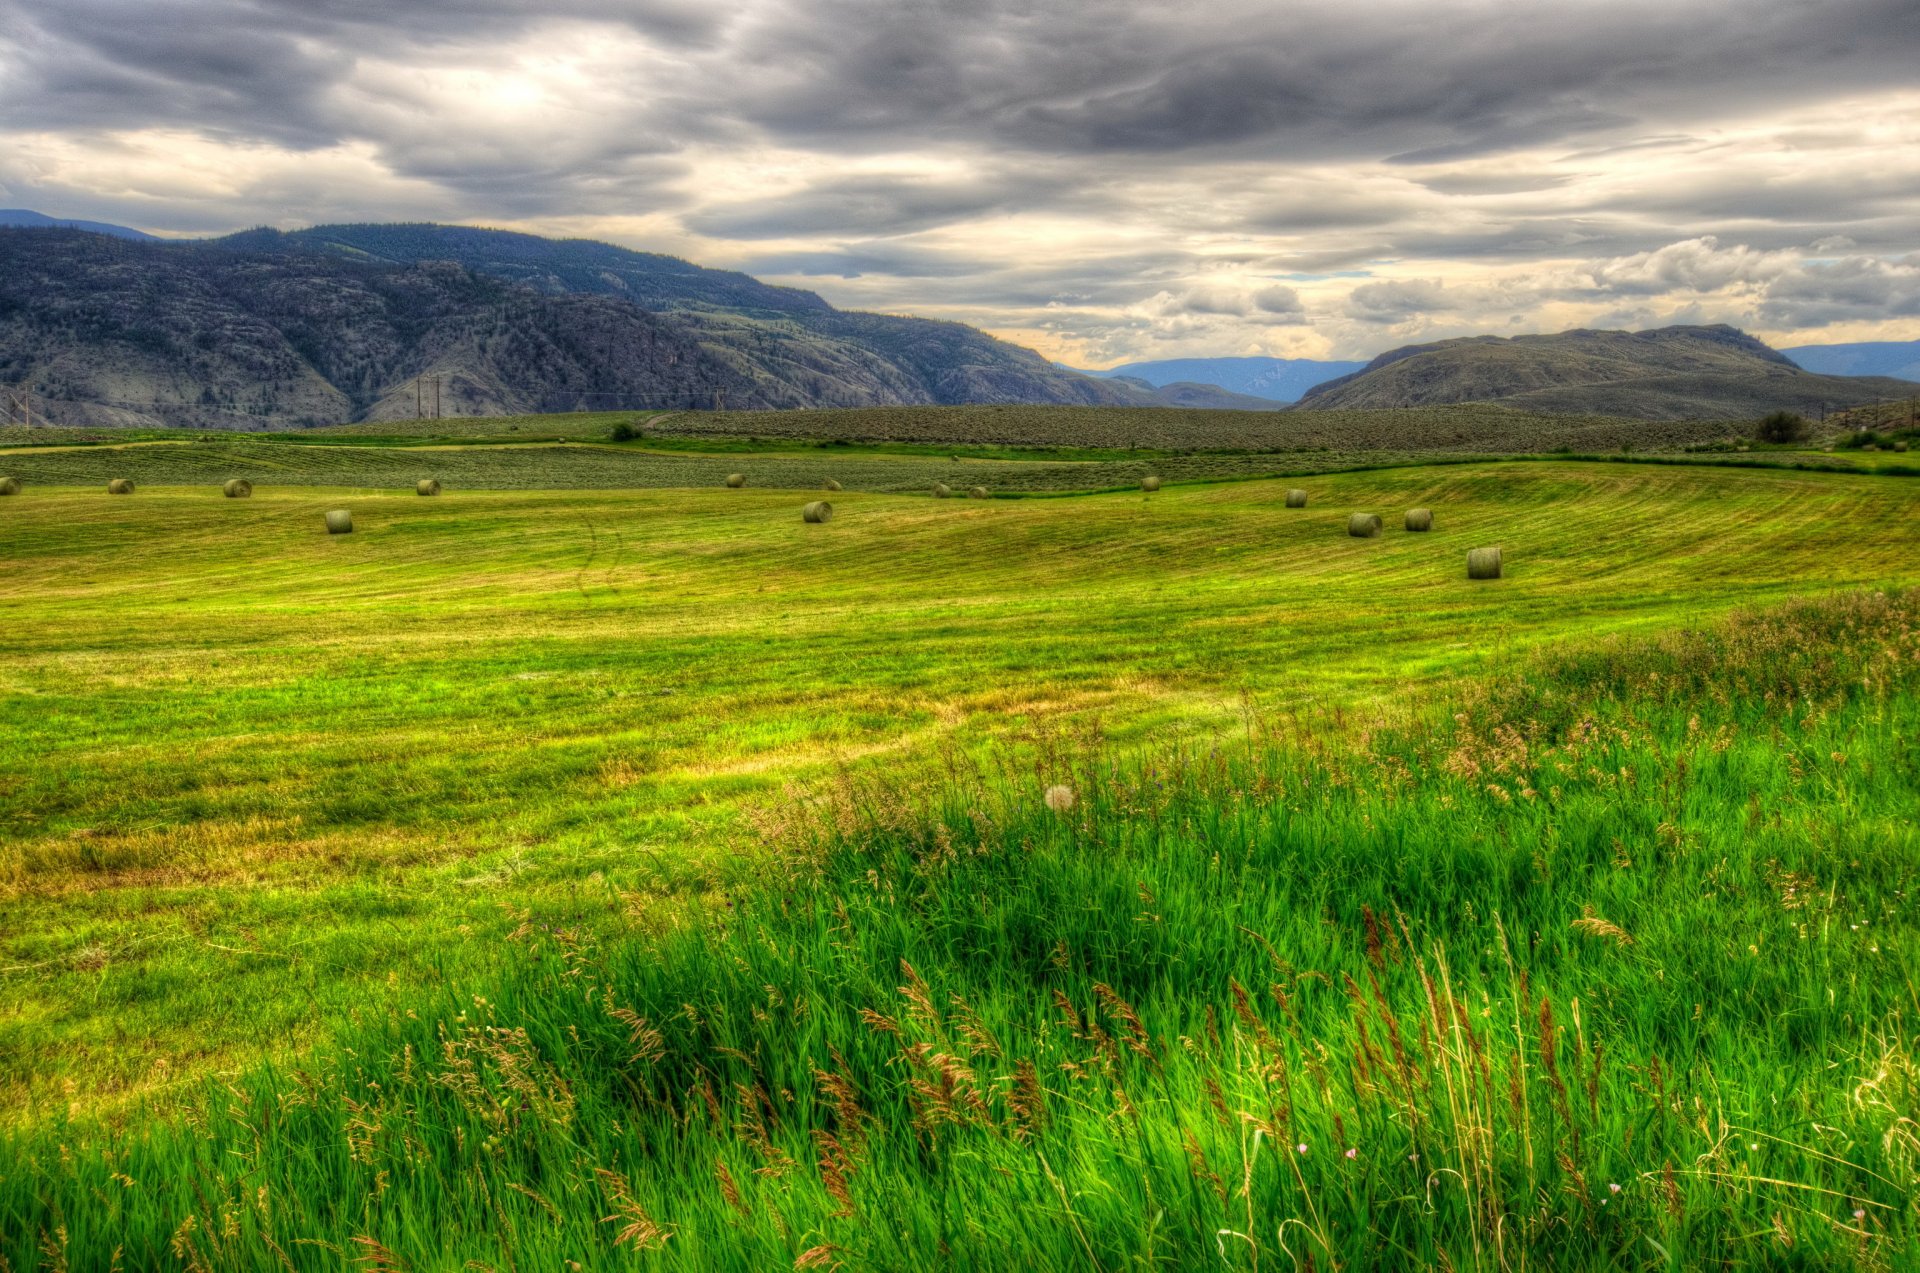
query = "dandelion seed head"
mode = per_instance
[{"x": 1059, "y": 798}]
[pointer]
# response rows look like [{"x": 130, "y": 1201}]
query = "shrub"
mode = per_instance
[
  {"x": 1782, "y": 426},
  {"x": 624, "y": 432}
]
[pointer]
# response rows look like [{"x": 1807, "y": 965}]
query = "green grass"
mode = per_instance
[
  {"x": 1602, "y": 960},
  {"x": 256, "y": 778}
]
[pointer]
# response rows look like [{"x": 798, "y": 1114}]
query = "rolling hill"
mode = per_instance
[
  {"x": 272, "y": 330},
  {"x": 1668, "y": 373},
  {"x": 1897, "y": 358},
  {"x": 1275, "y": 379},
  {"x": 40, "y": 220}
]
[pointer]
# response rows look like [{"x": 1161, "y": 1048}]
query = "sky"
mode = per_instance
[{"x": 1103, "y": 180}]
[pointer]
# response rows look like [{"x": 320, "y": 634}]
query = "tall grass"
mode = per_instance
[{"x": 1608, "y": 963}]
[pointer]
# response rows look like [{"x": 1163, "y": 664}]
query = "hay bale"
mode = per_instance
[
  {"x": 9, "y": 486},
  {"x": 237, "y": 488},
  {"x": 818, "y": 511},
  {"x": 1419, "y": 519},
  {"x": 427, "y": 486},
  {"x": 1483, "y": 563},
  {"x": 736, "y": 480},
  {"x": 941, "y": 490},
  {"x": 1901, "y": 446},
  {"x": 1150, "y": 483},
  {"x": 120, "y": 486},
  {"x": 339, "y": 522},
  {"x": 829, "y": 485},
  {"x": 978, "y": 492},
  {"x": 1296, "y": 499},
  {"x": 1364, "y": 525}
]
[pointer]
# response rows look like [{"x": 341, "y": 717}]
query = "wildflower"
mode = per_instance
[
  {"x": 1613, "y": 1188},
  {"x": 1059, "y": 798},
  {"x": 1859, "y": 1213},
  {"x": 1753, "y": 1147},
  {"x": 1353, "y": 1153},
  {"x": 1301, "y": 1147}
]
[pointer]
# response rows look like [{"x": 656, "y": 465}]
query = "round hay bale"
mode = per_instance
[
  {"x": 339, "y": 522},
  {"x": 120, "y": 486},
  {"x": 941, "y": 490},
  {"x": 736, "y": 480},
  {"x": 978, "y": 492},
  {"x": 818, "y": 511},
  {"x": 1364, "y": 525},
  {"x": 1419, "y": 519},
  {"x": 237, "y": 488},
  {"x": 1483, "y": 563},
  {"x": 9, "y": 486},
  {"x": 1296, "y": 499},
  {"x": 829, "y": 485},
  {"x": 427, "y": 486},
  {"x": 1150, "y": 483}
]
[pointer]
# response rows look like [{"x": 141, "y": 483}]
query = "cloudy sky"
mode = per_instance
[{"x": 1104, "y": 180}]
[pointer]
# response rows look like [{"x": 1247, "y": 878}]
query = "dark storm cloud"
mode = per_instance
[
  {"x": 874, "y": 204},
  {"x": 1133, "y": 147}
]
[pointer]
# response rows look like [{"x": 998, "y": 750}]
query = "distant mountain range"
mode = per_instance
[
  {"x": 1670, "y": 373},
  {"x": 1272, "y": 379},
  {"x": 21, "y": 216},
  {"x": 1897, "y": 358},
  {"x": 269, "y": 329}
]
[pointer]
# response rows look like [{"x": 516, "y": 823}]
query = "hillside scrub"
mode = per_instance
[{"x": 1604, "y": 960}]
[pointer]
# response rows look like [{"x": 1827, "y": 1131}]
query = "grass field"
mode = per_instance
[{"x": 270, "y": 794}]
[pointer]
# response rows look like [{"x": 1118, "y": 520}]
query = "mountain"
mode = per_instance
[
  {"x": 1897, "y": 358},
  {"x": 1670, "y": 373},
  {"x": 798, "y": 349},
  {"x": 1276, "y": 379},
  {"x": 23, "y": 217},
  {"x": 265, "y": 330},
  {"x": 1199, "y": 397}
]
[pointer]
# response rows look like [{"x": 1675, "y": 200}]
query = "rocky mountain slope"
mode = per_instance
[
  {"x": 269, "y": 330},
  {"x": 1668, "y": 373}
]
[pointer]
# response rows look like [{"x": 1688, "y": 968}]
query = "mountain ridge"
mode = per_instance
[
  {"x": 275, "y": 329},
  {"x": 1663, "y": 373}
]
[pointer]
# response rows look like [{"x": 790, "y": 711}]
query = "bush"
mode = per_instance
[
  {"x": 1782, "y": 426},
  {"x": 624, "y": 432}
]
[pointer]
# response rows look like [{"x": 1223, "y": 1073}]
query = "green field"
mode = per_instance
[{"x": 272, "y": 803}]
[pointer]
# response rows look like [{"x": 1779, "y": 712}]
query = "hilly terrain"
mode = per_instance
[
  {"x": 1669, "y": 373},
  {"x": 1274, "y": 379},
  {"x": 272, "y": 330},
  {"x": 1897, "y": 358}
]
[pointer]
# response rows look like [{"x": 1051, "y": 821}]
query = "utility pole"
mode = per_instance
[
  {"x": 436, "y": 397},
  {"x": 416, "y": 397}
]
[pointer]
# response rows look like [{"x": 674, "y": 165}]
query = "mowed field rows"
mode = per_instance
[{"x": 256, "y": 778}]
